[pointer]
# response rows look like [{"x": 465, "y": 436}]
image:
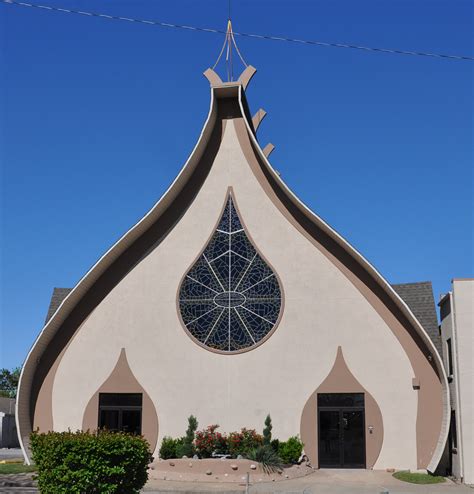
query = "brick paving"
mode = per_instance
[{"x": 18, "y": 482}]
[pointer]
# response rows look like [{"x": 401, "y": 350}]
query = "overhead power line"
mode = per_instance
[{"x": 247, "y": 35}]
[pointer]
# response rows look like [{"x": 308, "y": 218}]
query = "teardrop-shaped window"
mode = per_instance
[{"x": 230, "y": 299}]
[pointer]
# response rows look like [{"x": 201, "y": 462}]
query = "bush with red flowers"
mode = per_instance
[
  {"x": 209, "y": 441},
  {"x": 240, "y": 443}
]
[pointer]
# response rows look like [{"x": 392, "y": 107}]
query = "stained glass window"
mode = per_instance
[{"x": 230, "y": 299}]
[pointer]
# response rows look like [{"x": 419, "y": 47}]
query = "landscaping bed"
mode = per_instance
[{"x": 222, "y": 470}]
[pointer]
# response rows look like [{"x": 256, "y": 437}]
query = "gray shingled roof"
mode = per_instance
[
  {"x": 59, "y": 294},
  {"x": 418, "y": 296}
]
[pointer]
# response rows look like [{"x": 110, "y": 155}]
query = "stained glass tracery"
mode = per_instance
[{"x": 230, "y": 299}]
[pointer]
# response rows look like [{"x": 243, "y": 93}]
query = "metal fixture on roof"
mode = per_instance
[{"x": 228, "y": 46}]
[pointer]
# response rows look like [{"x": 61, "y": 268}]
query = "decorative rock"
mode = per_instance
[
  {"x": 208, "y": 472},
  {"x": 171, "y": 463},
  {"x": 234, "y": 466},
  {"x": 240, "y": 457},
  {"x": 195, "y": 457},
  {"x": 253, "y": 467},
  {"x": 185, "y": 457}
]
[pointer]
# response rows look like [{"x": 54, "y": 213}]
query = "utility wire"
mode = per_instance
[{"x": 247, "y": 35}]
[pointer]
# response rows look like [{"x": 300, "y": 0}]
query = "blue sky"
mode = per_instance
[{"x": 97, "y": 118}]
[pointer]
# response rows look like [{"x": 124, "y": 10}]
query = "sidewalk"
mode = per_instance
[
  {"x": 10, "y": 454},
  {"x": 320, "y": 482}
]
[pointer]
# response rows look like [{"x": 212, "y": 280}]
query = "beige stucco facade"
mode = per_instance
[{"x": 327, "y": 305}]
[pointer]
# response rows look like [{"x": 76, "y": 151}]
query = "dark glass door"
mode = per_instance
[
  {"x": 341, "y": 430},
  {"x": 353, "y": 438},
  {"x": 329, "y": 438}
]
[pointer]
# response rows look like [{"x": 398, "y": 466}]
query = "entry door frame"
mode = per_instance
[{"x": 341, "y": 410}]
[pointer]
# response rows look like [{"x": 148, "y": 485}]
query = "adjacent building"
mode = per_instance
[
  {"x": 8, "y": 431},
  {"x": 457, "y": 335}
]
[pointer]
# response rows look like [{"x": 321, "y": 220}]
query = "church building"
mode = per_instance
[{"x": 230, "y": 300}]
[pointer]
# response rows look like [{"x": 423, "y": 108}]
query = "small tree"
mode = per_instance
[
  {"x": 9, "y": 382},
  {"x": 267, "y": 431},
  {"x": 186, "y": 448}
]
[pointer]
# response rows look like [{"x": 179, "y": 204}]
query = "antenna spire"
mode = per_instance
[{"x": 228, "y": 46}]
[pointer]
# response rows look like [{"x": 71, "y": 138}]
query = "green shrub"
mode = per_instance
[
  {"x": 290, "y": 451},
  {"x": 267, "y": 430},
  {"x": 186, "y": 448},
  {"x": 168, "y": 448},
  {"x": 275, "y": 444},
  {"x": 266, "y": 456},
  {"x": 90, "y": 462}
]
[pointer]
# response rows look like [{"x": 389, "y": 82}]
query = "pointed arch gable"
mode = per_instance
[{"x": 229, "y": 102}]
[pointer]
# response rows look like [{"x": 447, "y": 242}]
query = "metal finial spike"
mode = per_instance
[{"x": 228, "y": 45}]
